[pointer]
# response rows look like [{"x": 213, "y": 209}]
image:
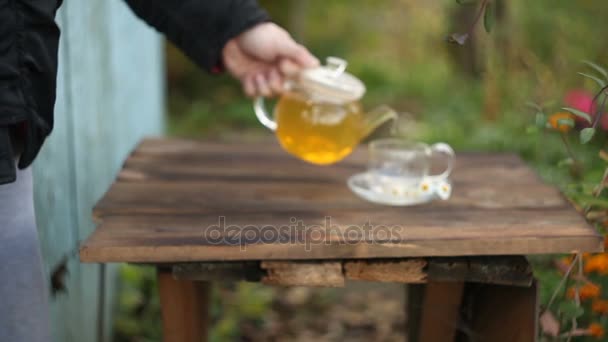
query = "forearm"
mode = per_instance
[{"x": 198, "y": 27}]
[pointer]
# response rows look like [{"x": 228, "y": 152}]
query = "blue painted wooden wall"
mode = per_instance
[{"x": 110, "y": 94}]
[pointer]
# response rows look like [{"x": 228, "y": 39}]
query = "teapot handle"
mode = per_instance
[{"x": 262, "y": 114}]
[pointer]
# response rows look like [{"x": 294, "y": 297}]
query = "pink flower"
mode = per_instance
[
  {"x": 583, "y": 101},
  {"x": 580, "y": 99}
]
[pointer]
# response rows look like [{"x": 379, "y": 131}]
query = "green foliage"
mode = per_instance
[
  {"x": 597, "y": 80},
  {"x": 466, "y": 2},
  {"x": 138, "y": 309},
  {"x": 578, "y": 113},
  {"x": 565, "y": 162},
  {"x": 566, "y": 122},
  {"x": 587, "y": 134},
  {"x": 546, "y": 276},
  {"x": 597, "y": 68},
  {"x": 570, "y": 310},
  {"x": 232, "y": 306},
  {"x": 489, "y": 16},
  {"x": 541, "y": 120},
  {"x": 583, "y": 303}
]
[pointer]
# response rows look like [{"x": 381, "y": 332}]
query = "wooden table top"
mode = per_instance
[{"x": 169, "y": 201}]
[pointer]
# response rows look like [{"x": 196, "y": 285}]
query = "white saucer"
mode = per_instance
[{"x": 364, "y": 186}]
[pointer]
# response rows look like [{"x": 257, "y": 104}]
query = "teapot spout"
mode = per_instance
[{"x": 376, "y": 118}]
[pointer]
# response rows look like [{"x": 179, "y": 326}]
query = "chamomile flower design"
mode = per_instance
[
  {"x": 429, "y": 189},
  {"x": 444, "y": 190},
  {"x": 425, "y": 187}
]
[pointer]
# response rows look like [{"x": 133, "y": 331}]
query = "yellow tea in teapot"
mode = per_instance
[
  {"x": 318, "y": 132},
  {"x": 318, "y": 117}
]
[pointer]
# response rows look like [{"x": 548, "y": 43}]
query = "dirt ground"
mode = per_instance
[{"x": 359, "y": 312}]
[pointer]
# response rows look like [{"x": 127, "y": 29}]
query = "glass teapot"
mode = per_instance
[{"x": 318, "y": 118}]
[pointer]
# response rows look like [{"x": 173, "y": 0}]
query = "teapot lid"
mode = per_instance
[{"x": 330, "y": 82}]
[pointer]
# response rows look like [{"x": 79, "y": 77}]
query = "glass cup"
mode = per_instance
[{"x": 398, "y": 165}]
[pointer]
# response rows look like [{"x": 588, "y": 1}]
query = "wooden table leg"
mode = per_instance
[
  {"x": 503, "y": 313},
  {"x": 414, "y": 296},
  {"x": 184, "y": 305},
  {"x": 434, "y": 311},
  {"x": 475, "y": 312}
]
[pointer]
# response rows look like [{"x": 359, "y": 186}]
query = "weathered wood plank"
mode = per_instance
[
  {"x": 491, "y": 270},
  {"x": 181, "y": 200},
  {"x": 514, "y": 270},
  {"x": 230, "y": 228},
  {"x": 236, "y": 164},
  {"x": 216, "y": 271},
  {"x": 189, "y": 148},
  {"x": 412, "y": 233},
  {"x": 397, "y": 271},
  {"x": 257, "y": 195},
  {"x": 160, "y": 184},
  {"x": 285, "y": 273},
  {"x": 173, "y": 158},
  {"x": 192, "y": 253}
]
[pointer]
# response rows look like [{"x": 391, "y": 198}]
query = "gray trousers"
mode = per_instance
[{"x": 24, "y": 311}]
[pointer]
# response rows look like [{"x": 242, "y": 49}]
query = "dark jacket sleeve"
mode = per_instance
[
  {"x": 29, "y": 41},
  {"x": 200, "y": 28}
]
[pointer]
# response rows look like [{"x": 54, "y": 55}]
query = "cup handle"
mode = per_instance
[
  {"x": 262, "y": 114},
  {"x": 449, "y": 154}
]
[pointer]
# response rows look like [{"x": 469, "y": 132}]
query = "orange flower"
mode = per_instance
[
  {"x": 587, "y": 291},
  {"x": 600, "y": 306},
  {"x": 597, "y": 263},
  {"x": 596, "y": 330},
  {"x": 554, "y": 121},
  {"x": 566, "y": 260}
]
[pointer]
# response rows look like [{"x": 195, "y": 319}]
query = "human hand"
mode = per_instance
[{"x": 262, "y": 57}]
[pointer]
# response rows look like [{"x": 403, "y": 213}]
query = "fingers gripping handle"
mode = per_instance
[{"x": 262, "y": 114}]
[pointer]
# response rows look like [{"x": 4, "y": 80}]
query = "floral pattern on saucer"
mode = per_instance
[{"x": 364, "y": 186}]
